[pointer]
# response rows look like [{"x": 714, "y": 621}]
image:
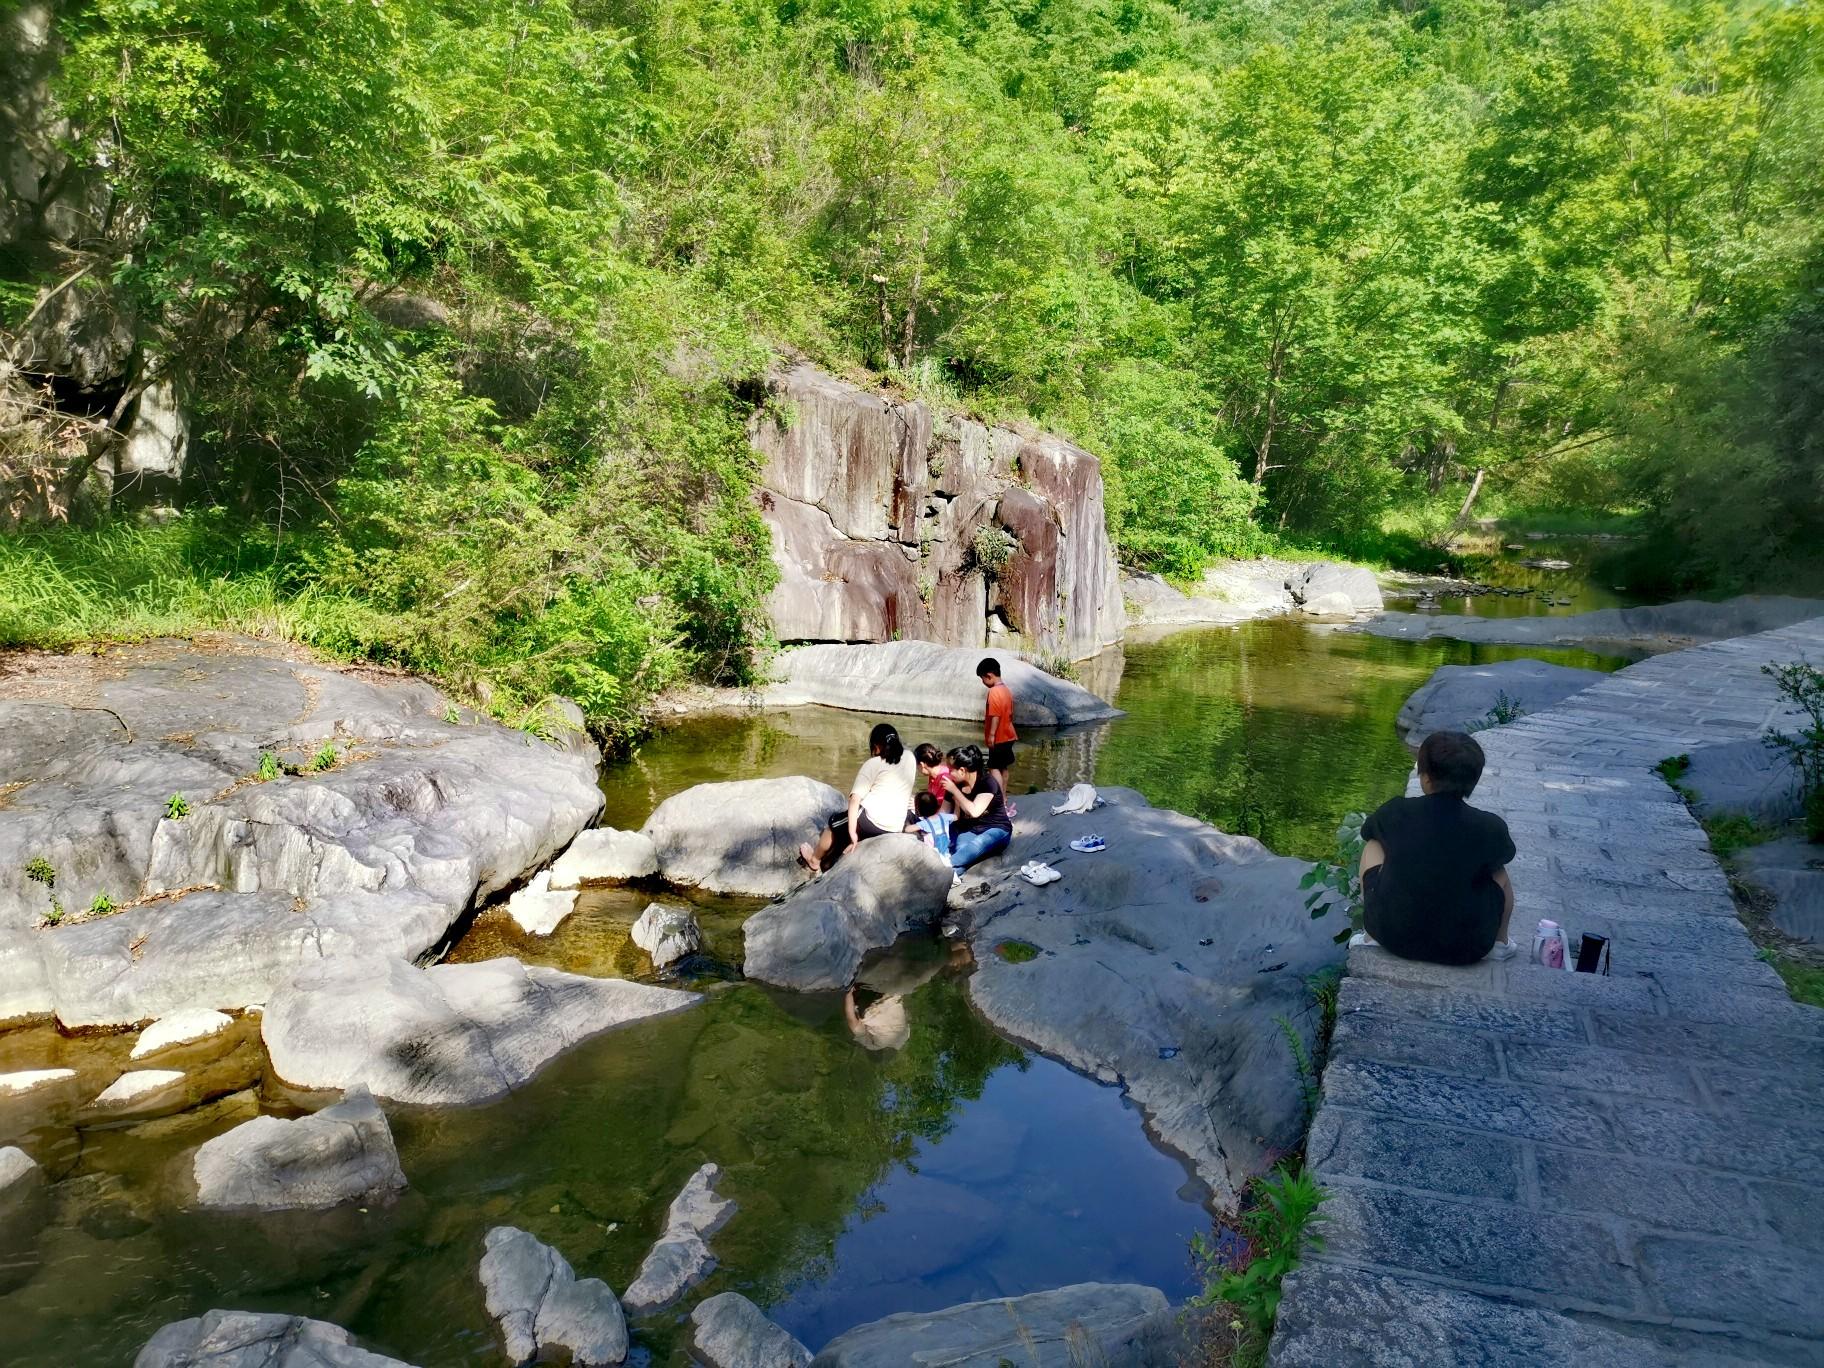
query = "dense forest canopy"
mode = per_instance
[{"x": 1297, "y": 271}]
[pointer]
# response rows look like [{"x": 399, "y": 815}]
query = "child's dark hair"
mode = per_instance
[
  {"x": 988, "y": 666},
  {"x": 925, "y": 803},
  {"x": 968, "y": 758},
  {"x": 884, "y": 741},
  {"x": 927, "y": 754},
  {"x": 1453, "y": 761}
]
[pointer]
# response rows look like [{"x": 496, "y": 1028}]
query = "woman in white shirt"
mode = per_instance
[{"x": 879, "y": 799}]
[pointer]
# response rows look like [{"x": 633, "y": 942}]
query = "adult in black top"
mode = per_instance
[
  {"x": 1434, "y": 877},
  {"x": 982, "y": 825}
]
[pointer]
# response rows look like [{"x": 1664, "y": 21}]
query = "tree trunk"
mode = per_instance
[{"x": 1469, "y": 499}]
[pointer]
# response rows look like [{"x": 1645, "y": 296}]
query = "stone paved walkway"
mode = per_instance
[{"x": 1532, "y": 1167}]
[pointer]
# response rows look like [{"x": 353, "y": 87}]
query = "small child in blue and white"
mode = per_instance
[{"x": 931, "y": 823}]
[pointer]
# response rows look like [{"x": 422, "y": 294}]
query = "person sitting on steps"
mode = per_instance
[
  {"x": 982, "y": 824},
  {"x": 879, "y": 800},
  {"x": 1434, "y": 869}
]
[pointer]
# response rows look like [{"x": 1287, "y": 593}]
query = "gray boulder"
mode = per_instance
[
  {"x": 1459, "y": 697},
  {"x": 542, "y": 1305},
  {"x": 418, "y": 819},
  {"x": 453, "y": 1033},
  {"x": 537, "y": 909},
  {"x": 1742, "y": 779},
  {"x": 1329, "y": 589},
  {"x": 729, "y": 1331},
  {"x": 816, "y": 937},
  {"x": 667, "y": 933},
  {"x": 1792, "y": 871},
  {"x": 742, "y": 836},
  {"x": 343, "y": 1153},
  {"x": 680, "y": 1259},
  {"x": 16, "y": 1167},
  {"x": 923, "y": 679},
  {"x": 256, "y": 1339},
  {"x": 1164, "y": 964},
  {"x": 1104, "y": 1323},
  {"x": 605, "y": 855},
  {"x": 1659, "y": 627},
  {"x": 185, "y": 1027}
]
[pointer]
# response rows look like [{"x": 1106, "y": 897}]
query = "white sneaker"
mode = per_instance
[{"x": 1504, "y": 950}]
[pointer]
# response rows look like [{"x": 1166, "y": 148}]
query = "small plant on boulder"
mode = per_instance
[
  {"x": 991, "y": 549},
  {"x": 101, "y": 904},
  {"x": 1506, "y": 710},
  {"x": 324, "y": 759},
  {"x": 41, "y": 871},
  {"x": 269, "y": 769},
  {"x": 177, "y": 807}
]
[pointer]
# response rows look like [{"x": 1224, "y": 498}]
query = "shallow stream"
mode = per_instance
[{"x": 869, "y": 1181}]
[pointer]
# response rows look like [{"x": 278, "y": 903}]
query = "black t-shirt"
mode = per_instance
[
  {"x": 1435, "y": 898},
  {"x": 994, "y": 815}
]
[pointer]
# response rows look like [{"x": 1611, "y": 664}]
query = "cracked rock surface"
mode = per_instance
[
  {"x": 450, "y": 1034},
  {"x": 680, "y": 1259},
  {"x": 416, "y": 818},
  {"x": 541, "y": 1304},
  {"x": 343, "y": 1153},
  {"x": 256, "y": 1339}
]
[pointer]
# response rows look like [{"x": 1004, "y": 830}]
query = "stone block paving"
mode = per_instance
[{"x": 1530, "y": 1167}]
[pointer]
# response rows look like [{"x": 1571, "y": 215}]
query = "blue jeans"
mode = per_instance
[{"x": 972, "y": 846}]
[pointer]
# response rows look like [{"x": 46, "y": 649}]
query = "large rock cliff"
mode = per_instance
[{"x": 890, "y": 521}]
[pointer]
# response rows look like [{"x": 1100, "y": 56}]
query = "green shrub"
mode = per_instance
[
  {"x": 177, "y": 807},
  {"x": 1338, "y": 882},
  {"x": 1801, "y": 685},
  {"x": 324, "y": 759},
  {"x": 991, "y": 549},
  {"x": 1244, "y": 1265},
  {"x": 269, "y": 769},
  {"x": 40, "y": 870},
  {"x": 101, "y": 905}
]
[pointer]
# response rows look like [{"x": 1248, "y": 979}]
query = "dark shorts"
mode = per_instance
[
  {"x": 1000, "y": 756},
  {"x": 844, "y": 838}
]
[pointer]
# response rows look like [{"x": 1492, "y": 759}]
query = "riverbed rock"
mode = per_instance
[
  {"x": 1660, "y": 627},
  {"x": 449, "y": 1034},
  {"x": 343, "y": 1153},
  {"x": 741, "y": 836},
  {"x": 1115, "y": 1324},
  {"x": 680, "y": 1259},
  {"x": 537, "y": 908},
  {"x": 141, "y": 1090},
  {"x": 23, "y": 1081},
  {"x": 185, "y": 1027},
  {"x": 16, "y": 1168},
  {"x": 256, "y": 1339},
  {"x": 417, "y": 819},
  {"x": 605, "y": 855},
  {"x": 1791, "y": 869},
  {"x": 667, "y": 933},
  {"x": 923, "y": 679},
  {"x": 542, "y": 1305},
  {"x": 876, "y": 507},
  {"x": 1164, "y": 964},
  {"x": 729, "y": 1331},
  {"x": 1459, "y": 697},
  {"x": 1742, "y": 779},
  {"x": 1330, "y": 589},
  {"x": 816, "y": 937}
]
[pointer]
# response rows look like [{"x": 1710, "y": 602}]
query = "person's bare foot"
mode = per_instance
[{"x": 807, "y": 856}]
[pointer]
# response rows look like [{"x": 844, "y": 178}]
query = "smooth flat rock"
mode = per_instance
[
  {"x": 729, "y": 1331},
  {"x": 1103, "y": 1323},
  {"x": 185, "y": 1027},
  {"x": 138, "y": 1089},
  {"x": 256, "y": 1339},
  {"x": 1663, "y": 626},
  {"x": 816, "y": 937},
  {"x": 343, "y": 1153},
  {"x": 25, "y": 987},
  {"x": 23, "y": 1081},
  {"x": 418, "y": 818},
  {"x": 1746, "y": 778},
  {"x": 923, "y": 679},
  {"x": 537, "y": 909},
  {"x": 541, "y": 1305},
  {"x": 605, "y": 855},
  {"x": 15, "y": 1166},
  {"x": 741, "y": 836},
  {"x": 680, "y": 1258},
  {"x": 1792, "y": 870},
  {"x": 449, "y": 1034},
  {"x": 1165, "y": 962},
  {"x": 667, "y": 933},
  {"x": 1330, "y": 589},
  {"x": 1461, "y": 697}
]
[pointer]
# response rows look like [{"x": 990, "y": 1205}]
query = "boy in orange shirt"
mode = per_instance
[{"x": 997, "y": 723}]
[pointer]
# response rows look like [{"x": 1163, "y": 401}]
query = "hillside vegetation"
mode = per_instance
[{"x": 1289, "y": 268}]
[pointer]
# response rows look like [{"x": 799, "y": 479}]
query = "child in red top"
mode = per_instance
[{"x": 997, "y": 722}]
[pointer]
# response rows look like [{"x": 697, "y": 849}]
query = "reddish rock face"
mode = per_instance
[{"x": 875, "y": 509}]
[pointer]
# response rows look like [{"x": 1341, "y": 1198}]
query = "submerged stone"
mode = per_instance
[
  {"x": 680, "y": 1259},
  {"x": 667, "y": 934},
  {"x": 343, "y": 1153},
  {"x": 729, "y": 1331}
]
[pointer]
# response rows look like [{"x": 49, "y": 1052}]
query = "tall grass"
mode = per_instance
[{"x": 68, "y": 586}]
